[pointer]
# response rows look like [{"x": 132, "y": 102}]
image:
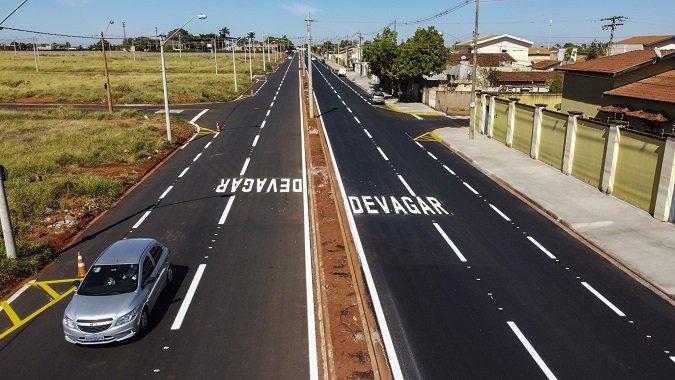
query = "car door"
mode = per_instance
[
  {"x": 148, "y": 270},
  {"x": 161, "y": 265}
]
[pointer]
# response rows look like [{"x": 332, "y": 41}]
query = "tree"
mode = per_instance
[
  {"x": 97, "y": 45},
  {"x": 184, "y": 34},
  {"x": 555, "y": 85},
  {"x": 250, "y": 35},
  {"x": 380, "y": 53},
  {"x": 489, "y": 76},
  {"x": 422, "y": 54},
  {"x": 224, "y": 32},
  {"x": 595, "y": 49}
]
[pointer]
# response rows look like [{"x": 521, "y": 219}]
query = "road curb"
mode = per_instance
[{"x": 562, "y": 223}]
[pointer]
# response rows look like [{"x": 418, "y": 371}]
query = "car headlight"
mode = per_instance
[
  {"x": 128, "y": 317},
  {"x": 69, "y": 322}
]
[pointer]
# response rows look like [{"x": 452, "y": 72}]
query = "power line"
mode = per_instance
[
  {"x": 57, "y": 34},
  {"x": 615, "y": 22}
]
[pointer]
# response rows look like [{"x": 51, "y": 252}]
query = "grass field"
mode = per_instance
[
  {"x": 66, "y": 165},
  {"x": 78, "y": 77}
]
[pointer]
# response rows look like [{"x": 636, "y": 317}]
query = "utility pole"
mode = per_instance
[
  {"x": 36, "y": 56},
  {"x": 550, "y": 30},
  {"x": 309, "y": 64},
  {"x": 472, "y": 104},
  {"x": 263, "y": 55},
  {"x": 250, "y": 58},
  {"x": 234, "y": 69},
  {"x": 124, "y": 32},
  {"x": 165, "y": 89},
  {"x": 5, "y": 221},
  {"x": 107, "y": 75},
  {"x": 614, "y": 22},
  {"x": 215, "y": 55},
  {"x": 359, "y": 55}
]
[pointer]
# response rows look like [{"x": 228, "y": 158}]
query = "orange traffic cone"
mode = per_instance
[{"x": 81, "y": 268}]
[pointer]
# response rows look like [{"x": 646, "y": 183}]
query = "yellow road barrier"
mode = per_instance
[{"x": 54, "y": 296}]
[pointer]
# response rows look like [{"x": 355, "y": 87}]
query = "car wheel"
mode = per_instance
[
  {"x": 144, "y": 322},
  {"x": 169, "y": 274}
]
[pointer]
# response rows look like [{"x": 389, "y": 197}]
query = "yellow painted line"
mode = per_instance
[
  {"x": 10, "y": 313},
  {"x": 429, "y": 136},
  {"x": 48, "y": 289},
  {"x": 18, "y": 322},
  {"x": 61, "y": 281}
]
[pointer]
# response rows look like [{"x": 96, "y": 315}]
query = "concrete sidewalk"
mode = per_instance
[{"x": 627, "y": 234}]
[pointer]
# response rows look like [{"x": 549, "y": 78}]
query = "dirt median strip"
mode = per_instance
[{"x": 350, "y": 340}]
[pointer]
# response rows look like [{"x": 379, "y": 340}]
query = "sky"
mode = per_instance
[{"x": 572, "y": 20}]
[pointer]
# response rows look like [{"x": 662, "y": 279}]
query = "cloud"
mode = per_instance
[{"x": 300, "y": 9}]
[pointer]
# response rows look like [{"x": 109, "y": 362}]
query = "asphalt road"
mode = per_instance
[
  {"x": 481, "y": 286},
  {"x": 248, "y": 317}
]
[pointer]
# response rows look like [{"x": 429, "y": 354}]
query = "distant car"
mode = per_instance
[
  {"x": 114, "y": 301},
  {"x": 377, "y": 97},
  {"x": 313, "y": 58},
  {"x": 342, "y": 72}
]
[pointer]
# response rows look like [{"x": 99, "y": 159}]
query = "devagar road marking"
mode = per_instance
[
  {"x": 188, "y": 298},
  {"x": 531, "y": 351},
  {"x": 450, "y": 243},
  {"x": 603, "y": 299}
]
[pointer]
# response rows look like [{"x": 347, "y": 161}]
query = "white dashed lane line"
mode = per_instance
[
  {"x": 255, "y": 140},
  {"x": 357, "y": 119},
  {"x": 470, "y": 188},
  {"x": 263, "y": 124},
  {"x": 448, "y": 169},
  {"x": 498, "y": 211},
  {"x": 382, "y": 153},
  {"x": 533, "y": 353},
  {"x": 228, "y": 206},
  {"x": 188, "y": 298},
  {"x": 196, "y": 157},
  {"x": 243, "y": 169},
  {"x": 417, "y": 117},
  {"x": 367, "y": 133},
  {"x": 208, "y": 145},
  {"x": 183, "y": 172},
  {"x": 450, "y": 243},
  {"x": 432, "y": 155},
  {"x": 541, "y": 247},
  {"x": 603, "y": 299},
  {"x": 406, "y": 185},
  {"x": 165, "y": 192},
  {"x": 141, "y": 220},
  {"x": 418, "y": 144}
]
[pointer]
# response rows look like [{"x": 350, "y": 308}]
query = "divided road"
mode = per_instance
[
  {"x": 470, "y": 282},
  {"x": 230, "y": 208}
]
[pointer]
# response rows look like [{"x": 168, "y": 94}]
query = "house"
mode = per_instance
[
  {"x": 535, "y": 81},
  {"x": 639, "y": 81},
  {"x": 516, "y": 47},
  {"x": 538, "y": 54},
  {"x": 643, "y": 43},
  {"x": 460, "y": 67},
  {"x": 546, "y": 65}
]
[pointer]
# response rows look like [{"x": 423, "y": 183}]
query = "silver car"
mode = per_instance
[
  {"x": 114, "y": 300},
  {"x": 377, "y": 97}
]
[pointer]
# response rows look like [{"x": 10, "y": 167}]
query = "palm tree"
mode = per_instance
[
  {"x": 224, "y": 32},
  {"x": 251, "y": 35}
]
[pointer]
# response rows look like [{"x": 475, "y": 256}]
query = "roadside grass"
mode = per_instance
[
  {"x": 65, "y": 164},
  {"x": 78, "y": 77}
]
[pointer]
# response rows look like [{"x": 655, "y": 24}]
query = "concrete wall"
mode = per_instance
[
  {"x": 634, "y": 174},
  {"x": 452, "y": 102},
  {"x": 532, "y": 98}
]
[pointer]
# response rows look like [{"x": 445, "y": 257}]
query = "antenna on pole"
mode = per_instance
[{"x": 614, "y": 22}]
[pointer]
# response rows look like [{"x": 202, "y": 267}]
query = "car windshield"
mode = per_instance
[{"x": 104, "y": 280}]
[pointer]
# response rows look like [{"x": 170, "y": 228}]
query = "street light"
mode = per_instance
[
  {"x": 162, "y": 41},
  {"x": 251, "y": 35},
  {"x": 108, "y": 93}
]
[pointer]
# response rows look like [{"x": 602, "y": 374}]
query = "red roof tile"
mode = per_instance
[
  {"x": 614, "y": 64},
  {"x": 659, "y": 88},
  {"x": 644, "y": 40},
  {"x": 545, "y": 64},
  {"x": 527, "y": 76}
]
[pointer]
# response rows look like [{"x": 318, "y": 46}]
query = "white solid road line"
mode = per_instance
[
  {"x": 18, "y": 293},
  {"x": 432, "y": 156},
  {"x": 448, "y": 169},
  {"x": 357, "y": 119},
  {"x": 228, "y": 206},
  {"x": 417, "y": 117},
  {"x": 603, "y": 299},
  {"x": 406, "y": 185},
  {"x": 183, "y": 172},
  {"x": 367, "y": 133},
  {"x": 194, "y": 119},
  {"x": 470, "y": 188},
  {"x": 531, "y": 351},
  {"x": 165, "y": 192},
  {"x": 138, "y": 223},
  {"x": 498, "y": 211},
  {"x": 255, "y": 140},
  {"x": 263, "y": 124},
  {"x": 309, "y": 287},
  {"x": 541, "y": 247},
  {"x": 243, "y": 168},
  {"x": 450, "y": 243},
  {"x": 196, "y": 157},
  {"x": 188, "y": 298},
  {"x": 375, "y": 298},
  {"x": 382, "y": 153}
]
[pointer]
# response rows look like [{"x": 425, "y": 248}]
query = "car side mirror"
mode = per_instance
[{"x": 149, "y": 281}]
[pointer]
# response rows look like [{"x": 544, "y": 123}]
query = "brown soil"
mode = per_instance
[{"x": 346, "y": 319}]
